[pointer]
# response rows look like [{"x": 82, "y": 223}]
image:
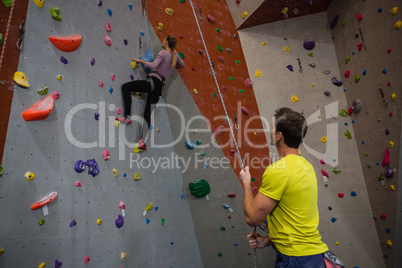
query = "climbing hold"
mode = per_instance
[
  {"x": 390, "y": 114},
  {"x": 389, "y": 50},
  {"x": 109, "y": 11},
  {"x": 357, "y": 78},
  {"x": 57, "y": 263},
  {"x": 359, "y": 16},
  {"x": 41, "y": 222},
  {"x": 238, "y": 62},
  {"x": 195, "y": 91},
  {"x": 217, "y": 29},
  {"x": 42, "y": 265},
  {"x": 357, "y": 106},
  {"x": 130, "y": 6},
  {"x": 63, "y": 60},
  {"x": 189, "y": 144},
  {"x": 100, "y": 84},
  {"x": 294, "y": 98},
  {"x": 384, "y": 71},
  {"x": 383, "y": 216},
  {"x": 310, "y": 54},
  {"x": 333, "y": 219},
  {"x": 348, "y": 134},
  {"x": 160, "y": 26},
  {"x": 210, "y": 18},
  {"x": 290, "y": 67},
  {"x": 244, "y": 15},
  {"x": 115, "y": 173},
  {"x": 78, "y": 184},
  {"x": 59, "y": 77},
  {"x": 347, "y": 59},
  {"x": 389, "y": 173},
  {"x": 324, "y": 173},
  {"x": 322, "y": 162},
  {"x": 113, "y": 77},
  {"x": 66, "y": 43},
  {"x": 100, "y": 3},
  {"x": 391, "y": 144},
  {"x": 98, "y": 221},
  {"x": 359, "y": 46},
  {"x": 119, "y": 221},
  {"x": 264, "y": 43},
  {"x": 347, "y": 73},
  {"x": 55, "y": 13},
  {"x": 199, "y": 188},
  {"x": 123, "y": 256},
  {"x": 389, "y": 243},
  {"x": 202, "y": 153},
  {"x": 221, "y": 58},
  {"x": 200, "y": 51},
  {"x": 356, "y": 36},
  {"x": 244, "y": 110},
  {"x": 108, "y": 27},
  {"x": 110, "y": 90},
  {"x": 387, "y": 131},
  {"x": 220, "y": 254},
  {"x": 334, "y": 21},
  {"x": 133, "y": 64},
  {"x": 21, "y": 79},
  {"x": 364, "y": 72},
  {"x": 169, "y": 11},
  {"x": 87, "y": 259},
  {"x": 380, "y": 10},
  {"x": 96, "y": 116},
  {"x": 108, "y": 41},
  {"x": 394, "y": 10},
  {"x": 248, "y": 82},
  {"x": 398, "y": 25},
  {"x": 137, "y": 176},
  {"x": 344, "y": 22},
  {"x": 117, "y": 123},
  {"x": 41, "y": 109},
  {"x": 219, "y": 48},
  {"x": 198, "y": 142},
  {"x": 353, "y": 193},
  {"x": 73, "y": 223},
  {"x": 125, "y": 42},
  {"x": 324, "y": 139},
  {"x": 232, "y": 195},
  {"x": 343, "y": 113},
  {"x": 44, "y": 201},
  {"x": 392, "y": 188},
  {"x": 327, "y": 93},
  {"x": 386, "y": 159},
  {"x": 309, "y": 44},
  {"x": 39, "y": 3},
  {"x": 286, "y": 48},
  {"x": 336, "y": 171},
  {"x": 341, "y": 195},
  {"x": 350, "y": 111}
]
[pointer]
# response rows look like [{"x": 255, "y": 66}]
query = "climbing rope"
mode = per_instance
[
  {"x": 223, "y": 104},
  {"x": 5, "y": 37}
]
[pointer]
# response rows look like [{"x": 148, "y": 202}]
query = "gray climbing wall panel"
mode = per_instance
[
  {"x": 48, "y": 149},
  {"x": 354, "y": 227}
]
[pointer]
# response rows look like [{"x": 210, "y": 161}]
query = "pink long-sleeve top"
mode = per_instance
[{"x": 163, "y": 64}]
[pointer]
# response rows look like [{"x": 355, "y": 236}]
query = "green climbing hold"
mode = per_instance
[
  {"x": 348, "y": 134},
  {"x": 44, "y": 90},
  {"x": 319, "y": 117},
  {"x": 41, "y": 222},
  {"x": 219, "y": 48},
  {"x": 162, "y": 221},
  {"x": 310, "y": 54},
  {"x": 375, "y": 217},
  {"x": 198, "y": 142},
  {"x": 223, "y": 228},
  {"x": 381, "y": 177},
  {"x": 220, "y": 254},
  {"x": 238, "y": 62},
  {"x": 1, "y": 39},
  {"x": 343, "y": 113},
  {"x": 231, "y": 78},
  {"x": 336, "y": 171},
  {"x": 203, "y": 153},
  {"x": 357, "y": 78},
  {"x": 219, "y": 31},
  {"x": 182, "y": 1},
  {"x": 199, "y": 188},
  {"x": 1, "y": 171},
  {"x": 181, "y": 54},
  {"x": 347, "y": 59},
  {"x": 55, "y": 13},
  {"x": 253, "y": 179},
  {"x": 215, "y": 95},
  {"x": 241, "y": 91},
  {"x": 366, "y": 154},
  {"x": 367, "y": 112},
  {"x": 344, "y": 22}
]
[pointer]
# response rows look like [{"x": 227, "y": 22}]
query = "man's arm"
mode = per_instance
[{"x": 255, "y": 208}]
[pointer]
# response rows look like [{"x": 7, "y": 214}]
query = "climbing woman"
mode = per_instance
[{"x": 161, "y": 68}]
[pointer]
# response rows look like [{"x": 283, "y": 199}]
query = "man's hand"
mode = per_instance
[
  {"x": 257, "y": 241},
  {"x": 138, "y": 60},
  {"x": 245, "y": 176}
]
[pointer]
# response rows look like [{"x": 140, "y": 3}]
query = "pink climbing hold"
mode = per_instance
[
  {"x": 200, "y": 51},
  {"x": 389, "y": 50},
  {"x": 324, "y": 173},
  {"x": 359, "y": 46},
  {"x": 210, "y": 18},
  {"x": 386, "y": 161},
  {"x": 218, "y": 130},
  {"x": 87, "y": 259},
  {"x": 231, "y": 195},
  {"x": 100, "y": 84},
  {"x": 106, "y": 155},
  {"x": 244, "y": 110},
  {"x": 359, "y": 16},
  {"x": 248, "y": 82},
  {"x": 108, "y": 28},
  {"x": 238, "y": 1},
  {"x": 108, "y": 41},
  {"x": 347, "y": 73},
  {"x": 255, "y": 190},
  {"x": 322, "y": 162},
  {"x": 232, "y": 152},
  {"x": 180, "y": 35},
  {"x": 350, "y": 111},
  {"x": 118, "y": 111},
  {"x": 78, "y": 184},
  {"x": 122, "y": 205},
  {"x": 224, "y": 87},
  {"x": 113, "y": 77},
  {"x": 221, "y": 58}
]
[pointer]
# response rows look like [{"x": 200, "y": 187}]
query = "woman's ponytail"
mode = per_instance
[{"x": 172, "y": 45}]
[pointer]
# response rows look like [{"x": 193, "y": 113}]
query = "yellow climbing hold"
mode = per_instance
[
  {"x": 137, "y": 176},
  {"x": 257, "y": 73},
  {"x": 244, "y": 15},
  {"x": 285, "y": 10},
  {"x": 169, "y": 11},
  {"x": 149, "y": 206},
  {"x": 39, "y": 3},
  {"x": 312, "y": 85},
  {"x": 337, "y": 243},
  {"x": 123, "y": 256},
  {"x": 195, "y": 91},
  {"x": 59, "y": 77},
  {"x": 42, "y": 265},
  {"x": 294, "y": 98},
  {"x": 398, "y": 25},
  {"x": 394, "y": 10},
  {"x": 393, "y": 96},
  {"x": 29, "y": 176},
  {"x": 392, "y": 188},
  {"x": 1, "y": 251},
  {"x": 391, "y": 144},
  {"x": 117, "y": 123},
  {"x": 324, "y": 139},
  {"x": 160, "y": 26},
  {"x": 286, "y": 48},
  {"x": 133, "y": 64},
  {"x": 21, "y": 79},
  {"x": 98, "y": 221},
  {"x": 264, "y": 43},
  {"x": 115, "y": 173},
  {"x": 255, "y": 133},
  {"x": 389, "y": 243},
  {"x": 157, "y": 130}
]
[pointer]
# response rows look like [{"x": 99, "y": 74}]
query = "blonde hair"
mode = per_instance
[{"x": 172, "y": 45}]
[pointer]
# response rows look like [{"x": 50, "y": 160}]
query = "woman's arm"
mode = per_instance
[{"x": 152, "y": 65}]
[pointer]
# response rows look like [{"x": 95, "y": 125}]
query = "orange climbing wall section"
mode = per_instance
[{"x": 198, "y": 74}]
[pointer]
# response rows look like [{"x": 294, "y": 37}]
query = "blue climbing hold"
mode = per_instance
[
  {"x": 333, "y": 219},
  {"x": 362, "y": 142},
  {"x": 353, "y": 53},
  {"x": 190, "y": 144},
  {"x": 364, "y": 72},
  {"x": 124, "y": 175},
  {"x": 142, "y": 33},
  {"x": 380, "y": 10},
  {"x": 333, "y": 37},
  {"x": 131, "y": 77},
  {"x": 156, "y": 208},
  {"x": 110, "y": 90},
  {"x": 151, "y": 127},
  {"x": 233, "y": 227},
  {"x": 353, "y": 121},
  {"x": 147, "y": 220},
  {"x": 388, "y": 230},
  {"x": 181, "y": 196},
  {"x": 206, "y": 165},
  {"x": 384, "y": 71},
  {"x": 171, "y": 243},
  {"x": 346, "y": 124},
  {"x": 109, "y": 12},
  {"x": 353, "y": 193},
  {"x": 130, "y": 6},
  {"x": 344, "y": 89},
  {"x": 377, "y": 163},
  {"x": 236, "y": 244}
]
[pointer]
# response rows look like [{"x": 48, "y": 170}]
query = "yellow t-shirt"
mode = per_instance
[{"x": 292, "y": 224}]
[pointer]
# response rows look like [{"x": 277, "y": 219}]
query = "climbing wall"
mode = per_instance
[
  {"x": 377, "y": 64},
  {"x": 272, "y": 52},
  {"x": 49, "y": 148}
]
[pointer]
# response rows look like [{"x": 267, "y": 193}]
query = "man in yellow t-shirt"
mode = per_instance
[{"x": 287, "y": 198}]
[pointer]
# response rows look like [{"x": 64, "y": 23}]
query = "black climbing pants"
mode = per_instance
[{"x": 141, "y": 86}]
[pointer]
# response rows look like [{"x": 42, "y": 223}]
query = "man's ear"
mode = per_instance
[{"x": 279, "y": 136}]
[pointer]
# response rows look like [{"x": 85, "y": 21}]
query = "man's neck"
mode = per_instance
[{"x": 284, "y": 150}]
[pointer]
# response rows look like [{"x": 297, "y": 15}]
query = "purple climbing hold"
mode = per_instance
[
  {"x": 334, "y": 21},
  {"x": 131, "y": 77},
  {"x": 336, "y": 81},
  {"x": 100, "y": 3},
  {"x": 119, "y": 222},
  {"x": 57, "y": 263},
  {"x": 63, "y": 60},
  {"x": 309, "y": 3},
  {"x": 93, "y": 61},
  {"x": 125, "y": 42},
  {"x": 79, "y": 166},
  {"x": 389, "y": 173},
  {"x": 96, "y": 116},
  {"x": 330, "y": 208},
  {"x": 93, "y": 167},
  {"x": 387, "y": 131},
  {"x": 73, "y": 223},
  {"x": 356, "y": 35},
  {"x": 309, "y": 44},
  {"x": 290, "y": 67}
]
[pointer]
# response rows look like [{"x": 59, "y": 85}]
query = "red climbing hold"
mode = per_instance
[
  {"x": 359, "y": 16},
  {"x": 350, "y": 111},
  {"x": 389, "y": 84},
  {"x": 386, "y": 160},
  {"x": 322, "y": 162},
  {"x": 66, "y": 43},
  {"x": 210, "y": 18},
  {"x": 324, "y": 173},
  {"x": 108, "y": 27},
  {"x": 347, "y": 73},
  {"x": 232, "y": 195},
  {"x": 383, "y": 216},
  {"x": 359, "y": 46},
  {"x": 389, "y": 50},
  {"x": 340, "y": 195},
  {"x": 390, "y": 114}
]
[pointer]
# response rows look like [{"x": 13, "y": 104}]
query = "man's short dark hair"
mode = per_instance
[{"x": 293, "y": 126}]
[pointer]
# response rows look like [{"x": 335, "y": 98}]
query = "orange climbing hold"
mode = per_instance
[
  {"x": 66, "y": 43},
  {"x": 41, "y": 109},
  {"x": 44, "y": 201}
]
